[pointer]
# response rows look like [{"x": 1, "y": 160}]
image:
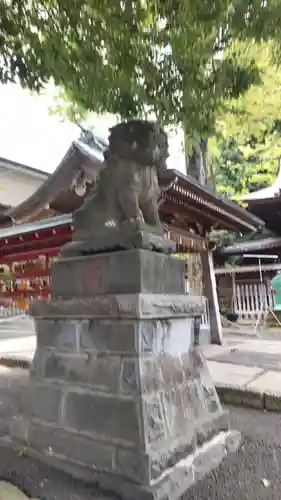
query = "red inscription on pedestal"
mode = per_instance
[{"x": 91, "y": 276}]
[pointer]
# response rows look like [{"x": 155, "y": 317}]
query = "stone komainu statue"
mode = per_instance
[{"x": 127, "y": 189}]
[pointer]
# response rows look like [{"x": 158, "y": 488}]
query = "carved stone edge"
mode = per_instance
[
  {"x": 139, "y": 306},
  {"x": 83, "y": 244},
  {"x": 171, "y": 485}
]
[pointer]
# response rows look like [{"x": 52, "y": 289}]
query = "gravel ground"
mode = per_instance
[
  {"x": 40, "y": 481},
  {"x": 254, "y": 473}
]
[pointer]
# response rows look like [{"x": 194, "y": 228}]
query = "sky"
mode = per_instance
[{"x": 29, "y": 135}]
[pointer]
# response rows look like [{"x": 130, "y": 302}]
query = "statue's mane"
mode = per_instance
[{"x": 139, "y": 141}]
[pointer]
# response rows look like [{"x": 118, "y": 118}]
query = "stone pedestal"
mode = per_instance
[{"x": 119, "y": 392}]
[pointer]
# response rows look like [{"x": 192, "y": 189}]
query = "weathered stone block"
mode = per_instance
[
  {"x": 58, "y": 442},
  {"x": 177, "y": 482},
  {"x": 193, "y": 400},
  {"x": 206, "y": 387},
  {"x": 172, "y": 370},
  {"x": 42, "y": 401},
  {"x": 19, "y": 428},
  {"x": 207, "y": 429},
  {"x": 129, "y": 337},
  {"x": 170, "y": 486},
  {"x": 116, "y": 336},
  {"x": 108, "y": 273},
  {"x": 155, "y": 424},
  {"x": 166, "y": 335},
  {"x": 97, "y": 414},
  {"x": 133, "y": 465},
  {"x": 62, "y": 335},
  {"x": 180, "y": 427},
  {"x": 169, "y": 426},
  {"x": 192, "y": 362},
  {"x": 130, "y": 376},
  {"x": 101, "y": 372},
  {"x": 120, "y": 306},
  {"x": 151, "y": 375},
  {"x": 210, "y": 457}
]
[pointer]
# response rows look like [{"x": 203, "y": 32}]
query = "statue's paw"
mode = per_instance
[
  {"x": 111, "y": 223},
  {"x": 137, "y": 219}
]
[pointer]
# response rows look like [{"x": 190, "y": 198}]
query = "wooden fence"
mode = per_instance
[{"x": 252, "y": 300}]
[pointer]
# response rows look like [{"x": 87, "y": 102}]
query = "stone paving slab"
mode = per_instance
[
  {"x": 268, "y": 384},
  {"x": 17, "y": 351},
  {"x": 269, "y": 381},
  {"x": 10, "y": 346},
  {"x": 251, "y": 359},
  {"x": 247, "y": 374},
  {"x": 11, "y": 319},
  {"x": 227, "y": 375},
  {"x": 259, "y": 346},
  {"x": 211, "y": 351}
]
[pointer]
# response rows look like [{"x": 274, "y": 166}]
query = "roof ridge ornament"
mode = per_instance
[{"x": 88, "y": 137}]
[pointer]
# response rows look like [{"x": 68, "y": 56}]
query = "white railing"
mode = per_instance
[
  {"x": 252, "y": 301},
  {"x": 10, "y": 312},
  {"x": 206, "y": 317}
]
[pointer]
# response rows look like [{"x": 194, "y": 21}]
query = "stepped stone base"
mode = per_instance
[
  {"x": 170, "y": 486},
  {"x": 119, "y": 390},
  {"x": 125, "y": 400}
]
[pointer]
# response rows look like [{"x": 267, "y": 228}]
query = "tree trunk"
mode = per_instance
[
  {"x": 212, "y": 177},
  {"x": 196, "y": 161}
]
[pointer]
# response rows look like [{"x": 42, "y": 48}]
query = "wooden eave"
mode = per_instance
[
  {"x": 185, "y": 201},
  {"x": 37, "y": 237},
  {"x": 194, "y": 202},
  {"x": 264, "y": 245}
]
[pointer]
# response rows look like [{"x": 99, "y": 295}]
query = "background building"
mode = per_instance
[{"x": 18, "y": 182}]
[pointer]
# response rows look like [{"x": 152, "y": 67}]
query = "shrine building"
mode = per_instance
[{"x": 33, "y": 231}]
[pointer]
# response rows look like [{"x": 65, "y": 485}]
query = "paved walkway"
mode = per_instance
[
  {"x": 247, "y": 371},
  {"x": 17, "y": 339}
]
